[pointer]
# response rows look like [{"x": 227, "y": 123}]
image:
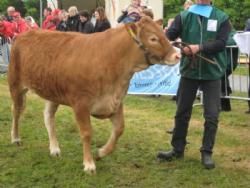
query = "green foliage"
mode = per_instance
[
  {"x": 33, "y": 8},
  {"x": 18, "y": 4},
  {"x": 27, "y": 8},
  {"x": 238, "y": 11},
  {"x": 3, "y": 5},
  {"x": 172, "y": 8}
]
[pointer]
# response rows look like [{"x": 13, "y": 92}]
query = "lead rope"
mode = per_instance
[{"x": 182, "y": 45}]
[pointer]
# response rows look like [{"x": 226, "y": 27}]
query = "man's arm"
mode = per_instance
[
  {"x": 174, "y": 31},
  {"x": 219, "y": 44}
]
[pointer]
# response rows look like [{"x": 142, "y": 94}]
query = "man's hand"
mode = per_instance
[{"x": 192, "y": 49}]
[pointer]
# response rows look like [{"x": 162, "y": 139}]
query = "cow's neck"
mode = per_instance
[{"x": 131, "y": 54}]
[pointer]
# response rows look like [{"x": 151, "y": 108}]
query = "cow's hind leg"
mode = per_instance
[
  {"x": 18, "y": 97},
  {"x": 83, "y": 119},
  {"x": 49, "y": 120},
  {"x": 118, "y": 126}
]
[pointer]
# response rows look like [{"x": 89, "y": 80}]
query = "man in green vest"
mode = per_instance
[{"x": 206, "y": 29}]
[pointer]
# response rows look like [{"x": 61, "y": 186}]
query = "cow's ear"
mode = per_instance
[{"x": 159, "y": 22}]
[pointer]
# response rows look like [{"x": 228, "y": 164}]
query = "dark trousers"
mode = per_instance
[
  {"x": 185, "y": 98},
  {"x": 225, "y": 91}
]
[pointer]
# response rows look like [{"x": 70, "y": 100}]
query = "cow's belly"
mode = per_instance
[{"x": 105, "y": 107}]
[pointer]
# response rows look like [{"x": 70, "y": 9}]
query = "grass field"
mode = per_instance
[
  {"x": 133, "y": 164},
  {"x": 242, "y": 69}
]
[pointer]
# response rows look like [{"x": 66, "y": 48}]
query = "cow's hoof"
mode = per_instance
[
  {"x": 55, "y": 152},
  {"x": 101, "y": 153},
  {"x": 90, "y": 168},
  {"x": 16, "y": 141}
]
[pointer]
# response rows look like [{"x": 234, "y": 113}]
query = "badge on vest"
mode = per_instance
[{"x": 212, "y": 25}]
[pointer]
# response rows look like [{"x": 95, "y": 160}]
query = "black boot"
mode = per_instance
[
  {"x": 225, "y": 105},
  {"x": 170, "y": 155},
  {"x": 207, "y": 161}
]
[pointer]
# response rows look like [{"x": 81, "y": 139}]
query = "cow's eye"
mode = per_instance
[{"x": 153, "y": 39}]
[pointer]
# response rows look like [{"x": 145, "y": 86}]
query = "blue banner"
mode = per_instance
[{"x": 156, "y": 80}]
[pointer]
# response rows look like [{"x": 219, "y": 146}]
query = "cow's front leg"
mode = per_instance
[
  {"x": 118, "y": 126},
  {"x": 49, "y": 120},
  {"x": 83, "y": 119}
]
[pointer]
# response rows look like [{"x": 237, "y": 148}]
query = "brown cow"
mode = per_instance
[{"x": 89, "y": 73}]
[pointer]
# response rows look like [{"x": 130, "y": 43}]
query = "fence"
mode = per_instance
[{"x": 235, "y": 84}]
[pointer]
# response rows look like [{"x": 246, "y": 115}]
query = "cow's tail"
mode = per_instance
[{"x": 14, "y": 71}]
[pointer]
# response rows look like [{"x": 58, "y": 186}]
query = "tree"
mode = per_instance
[
  {"x": 18, "y": 4},
  {"x": 32, "y": 8},
  {"x": 238, "y": 10},
  {"x": 172, "y": 8}
]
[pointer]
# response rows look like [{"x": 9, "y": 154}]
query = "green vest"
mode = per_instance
[{"x": 195, "y": 31}]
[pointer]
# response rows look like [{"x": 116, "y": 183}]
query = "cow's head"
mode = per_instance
[{"x": 152, "y": 40}]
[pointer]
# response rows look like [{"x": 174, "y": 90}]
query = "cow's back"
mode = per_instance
[{"x": 52, "y": 63}]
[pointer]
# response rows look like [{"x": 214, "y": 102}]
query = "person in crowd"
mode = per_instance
[
  {"x": 232, "y": 62},
  {"x": 55, "y": 13},
  {"x": 208, "y": 38},
  {"x": 147, "y": 12},
  {"x": 20, "y": 25},
  {"x": 31, "y": 24},
  {"x": 85, "y": 25},
  {"x": 10, "y": 11},
  {"x": 46, "y": 12},
  {"x": 73, "y": 18},
  {"x": 50, "y": 23},
  {"x": 63, "y": 17},
  {"x": 132, "y": 13},
  {"x": 93, "y": 19},
  {"x": 187, "y": 4},
  {"x": 102, "y": 22},
  {"x": 6, "y": 28},
  {"x": 247, "y": 27}
]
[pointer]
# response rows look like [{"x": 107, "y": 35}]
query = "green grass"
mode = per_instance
[
  {"x": 242, "y": 69},
  {"x": 133, "y": 163}
]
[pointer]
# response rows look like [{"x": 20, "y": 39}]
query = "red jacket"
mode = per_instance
[
  {"x": 6, "y": 29},
  {"x": 20, "y": 26},
  {"x": 49, "y": 23}
]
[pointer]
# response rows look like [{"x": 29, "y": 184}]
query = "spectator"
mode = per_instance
[
  {"x": 55, "y": 13},
  {"x": 132, "y": 13},
  {"x": 50, "y": 23},
  {"x": 6, "y": 28},
  {"x": 102, "y": 22},
  {"x": 208, "y": 38},
  {"x": 31, "y": 24},
  {"x": 46, "y": 12},
  {"x": 73, "y": 18},
  {"x": 85, "y": 25},
  {"x": 148, "y": 12},
  {"x": 20, "y": 25},
  {"x": 187, "y": 4},
  {"x": 232, "y": 62},
  {"x": 63, "y": 17},
  {"x": 247, "y": 27},
  {"x": 10, "y": 11}
]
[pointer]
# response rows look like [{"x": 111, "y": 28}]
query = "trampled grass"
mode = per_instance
[{"x": 133, "y": 164}]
